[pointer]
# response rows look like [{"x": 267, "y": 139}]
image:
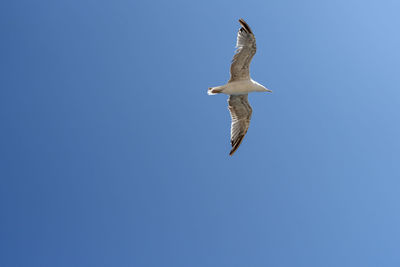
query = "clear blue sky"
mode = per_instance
[{"x": 113, "y": 154}]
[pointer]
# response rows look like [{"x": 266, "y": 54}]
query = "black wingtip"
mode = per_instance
[
  {"x": 245, "y": 25},
  {"x": 236, "y": 144}
]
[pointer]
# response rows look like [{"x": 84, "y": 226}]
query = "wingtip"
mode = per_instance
[
  {"x": 245, "y": 25},
  {"x": 236, "y": 144},
  {"x": 233, "y": 150}
]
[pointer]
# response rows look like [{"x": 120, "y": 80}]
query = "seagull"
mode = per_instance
[{"x": 239, "y": 85}]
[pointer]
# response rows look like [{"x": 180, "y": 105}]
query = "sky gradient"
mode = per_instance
[{"x": 113, "y": 154}]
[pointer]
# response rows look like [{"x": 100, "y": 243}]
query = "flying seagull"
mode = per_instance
[{"x": 239, "y": 85}]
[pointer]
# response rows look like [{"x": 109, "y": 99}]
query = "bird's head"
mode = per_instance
[
  {"x": 260, "y": 87},
  {"x": 265, "y": 89}
]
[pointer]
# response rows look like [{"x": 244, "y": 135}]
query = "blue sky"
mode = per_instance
[{"x": 113, "y": 154}]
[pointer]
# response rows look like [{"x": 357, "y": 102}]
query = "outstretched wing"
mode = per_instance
[
  {"x": 246, "y": 49},
  {"x": 240, "y": 110}
]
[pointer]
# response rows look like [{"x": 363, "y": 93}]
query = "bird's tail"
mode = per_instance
[{"x": 215, "y": 90}]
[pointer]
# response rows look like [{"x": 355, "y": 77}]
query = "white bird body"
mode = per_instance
[{"x": 239, "y": 85}]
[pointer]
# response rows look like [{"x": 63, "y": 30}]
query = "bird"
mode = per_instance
[{"x": 239, "y": 85}]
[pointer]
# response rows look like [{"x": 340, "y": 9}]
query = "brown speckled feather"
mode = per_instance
[
  {"x": 241, "y": 111},
  {"x": 246, "y": 49}
]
